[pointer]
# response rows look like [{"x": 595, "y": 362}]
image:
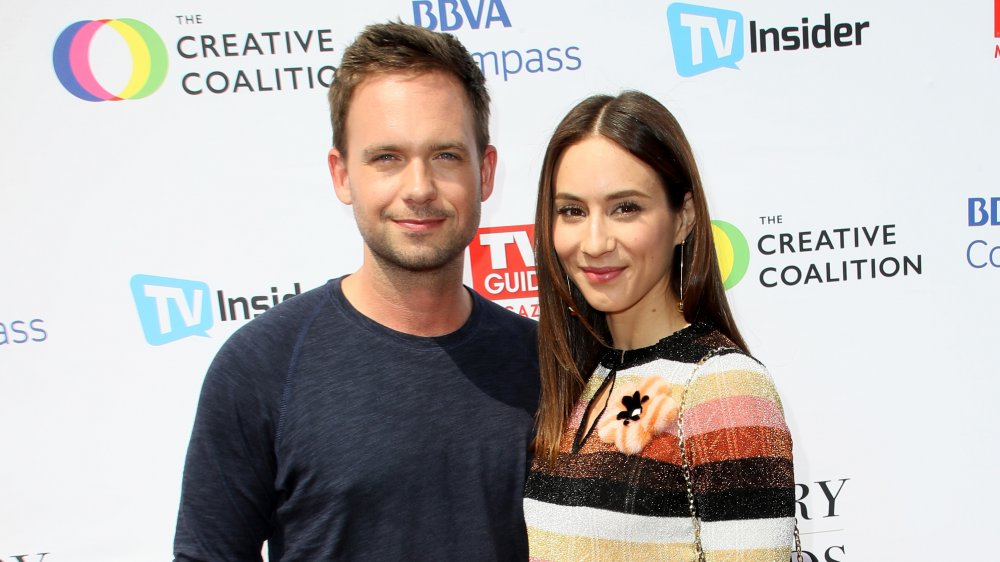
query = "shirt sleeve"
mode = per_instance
[
  {"x": 741, "y": 461},
  {"x": 227, "y": 498}
]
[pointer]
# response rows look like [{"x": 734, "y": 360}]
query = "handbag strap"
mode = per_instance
[{"x": 686, "y": 467}]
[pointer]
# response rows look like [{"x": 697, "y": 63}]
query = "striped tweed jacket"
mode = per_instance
[{"x": 617, "y": 490}]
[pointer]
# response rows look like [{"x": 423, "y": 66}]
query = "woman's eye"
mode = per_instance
[
  {"x": 627, "y": 207},
  {"x": 569, "y": 211}
]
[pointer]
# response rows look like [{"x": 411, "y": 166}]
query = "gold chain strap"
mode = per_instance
[
  {"x": 798, "y": 543},
  {"x": 689, "y": 486}
]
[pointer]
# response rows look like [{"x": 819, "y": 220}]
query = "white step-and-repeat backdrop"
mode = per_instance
[{"x": 163, "y": 180}]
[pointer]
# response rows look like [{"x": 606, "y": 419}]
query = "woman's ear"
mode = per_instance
[{"x": 687, "y": 219}]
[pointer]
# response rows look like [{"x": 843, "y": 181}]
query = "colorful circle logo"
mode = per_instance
[
  {"x": 71, "y": 59},
  {"x": 733, "y": 251}
]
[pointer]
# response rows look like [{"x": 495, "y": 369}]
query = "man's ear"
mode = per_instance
[
  {"x": 338, "y": 173},
  {"x": 687, "y": 219},
  {"x": 487, "y": 172}
]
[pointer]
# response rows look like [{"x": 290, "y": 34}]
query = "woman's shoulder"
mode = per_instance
[
  {"x": 733, "y": 358},
  {"x": 732, "y": 391},
  {"x": 727, "y": 371}
]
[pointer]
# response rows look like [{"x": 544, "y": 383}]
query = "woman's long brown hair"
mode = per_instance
[{"x": 572, "y": 335}]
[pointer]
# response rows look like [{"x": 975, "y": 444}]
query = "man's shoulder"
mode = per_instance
[
  {"x": 504, "y": 319},
  {"x": 285, "y": 320},
  {"x": 258, "y": 354}
]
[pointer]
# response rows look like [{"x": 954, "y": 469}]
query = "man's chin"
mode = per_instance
[{"x": 419, "y": 261}]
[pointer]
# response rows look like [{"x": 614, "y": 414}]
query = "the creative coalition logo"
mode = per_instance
[
  {"x": 733, "y": 252},
  {"x": 706, "y": 38},
  {"x": 237, "y": 62},
  {"x": 814, "y": 256},
  {"x": 71, "y": 59},
  {"x": 204, "y": 54},
  {"x": 982, "y": 213},
  {"x": 171, "y": 309},
  {"x": 502, "y": 260},
  {"x": 507, "y": 62}
]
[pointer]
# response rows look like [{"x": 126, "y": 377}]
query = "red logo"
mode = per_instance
[
  {"x": 996, "y": 18},
  {"x": 503, "y": 262}
]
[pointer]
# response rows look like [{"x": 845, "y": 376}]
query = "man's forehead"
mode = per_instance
[
  {"x": 405, "y": 108},
  {"x": 438, "y": 81}
]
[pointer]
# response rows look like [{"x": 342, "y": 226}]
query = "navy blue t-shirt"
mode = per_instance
[{"x": 334, "y": 437}]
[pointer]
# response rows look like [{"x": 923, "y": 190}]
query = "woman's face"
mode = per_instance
[{"x": 613, "y": 230}]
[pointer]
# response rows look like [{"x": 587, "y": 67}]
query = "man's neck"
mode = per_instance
[{"x": 425, "y": 303}]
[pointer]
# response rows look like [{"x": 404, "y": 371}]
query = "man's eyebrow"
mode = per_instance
[
  {"x": 370, "y": 151},
  {"x": 449, "y": 145}
]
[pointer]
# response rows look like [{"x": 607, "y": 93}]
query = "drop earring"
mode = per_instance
[
  {"x": 680, "y": 301},
  {"x": 569, "y": 290}
]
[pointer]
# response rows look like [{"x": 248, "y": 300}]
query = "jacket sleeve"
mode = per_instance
[
  {"x": 741, "y": 459},
  {"x": 227, "y": 498}
]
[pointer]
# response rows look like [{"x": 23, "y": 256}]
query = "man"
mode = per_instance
[{"x": 386, "y": 415}]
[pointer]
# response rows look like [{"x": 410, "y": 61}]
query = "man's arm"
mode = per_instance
[{"x": 228, "y": 498}]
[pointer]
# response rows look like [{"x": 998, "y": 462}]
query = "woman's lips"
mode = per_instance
[{"x": 601, "y": 274}]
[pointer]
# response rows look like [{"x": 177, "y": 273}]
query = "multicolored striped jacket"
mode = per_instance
[{"x": 617, "y": 490}]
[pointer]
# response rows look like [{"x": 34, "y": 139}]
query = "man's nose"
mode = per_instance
[{"x": 420, "y": 186}]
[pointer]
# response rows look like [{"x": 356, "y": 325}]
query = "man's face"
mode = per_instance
[{"x": 412, "y": 170}]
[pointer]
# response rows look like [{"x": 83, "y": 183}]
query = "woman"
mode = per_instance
[{"x": 658, "y": 436}]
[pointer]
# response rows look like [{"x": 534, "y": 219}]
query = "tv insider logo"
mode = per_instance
[
  {"x": 71, "y": 59},
  {"x": 705, "y": 38}
]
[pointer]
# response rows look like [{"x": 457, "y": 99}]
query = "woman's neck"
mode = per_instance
[{"x": 644, "y": 324}]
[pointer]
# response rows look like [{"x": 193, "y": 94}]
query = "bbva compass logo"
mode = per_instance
[
  {"x": 733, "y": 252},
  {"x": 71, "y": 59}
]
